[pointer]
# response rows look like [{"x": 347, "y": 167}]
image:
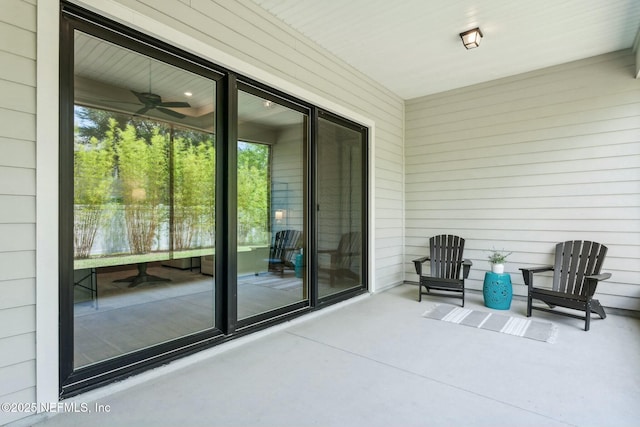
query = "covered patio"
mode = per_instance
[{"x": 390, "y": 367}]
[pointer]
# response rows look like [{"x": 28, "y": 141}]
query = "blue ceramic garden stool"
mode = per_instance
[{"x": 497, "y": 291}]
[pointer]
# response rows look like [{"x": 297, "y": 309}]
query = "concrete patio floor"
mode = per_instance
[{"x": 378, "y": 362}]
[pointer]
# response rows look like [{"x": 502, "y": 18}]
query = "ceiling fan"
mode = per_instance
[{"x": 153, "y": 101}]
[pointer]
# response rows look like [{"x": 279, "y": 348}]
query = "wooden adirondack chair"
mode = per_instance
[
  {"x": 344, "y": 256},
  {"x": 576, "y": 273},
  {"x": 446, "y": 262},
  {"x": 285, "y": 244}
]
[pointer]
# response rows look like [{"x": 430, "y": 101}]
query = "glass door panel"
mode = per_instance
[
  {"x": 144, "y": 196},
  {"x": 340, "y": 207},
  {"x": 271, "y": 224}
]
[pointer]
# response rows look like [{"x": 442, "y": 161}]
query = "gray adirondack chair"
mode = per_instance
[
  {"x": 576, "y": 274},
  {"x": 447, "y": 265}
]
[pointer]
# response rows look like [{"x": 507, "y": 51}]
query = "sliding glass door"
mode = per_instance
[
  {"x": 341, "y": 205},
  {"x": 196, "y": 205},
  {"x": 143, "y": 201},
  {"x": 272, "y": 233}
]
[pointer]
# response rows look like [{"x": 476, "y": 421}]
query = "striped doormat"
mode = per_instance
[{"x": 521, "y": 327}]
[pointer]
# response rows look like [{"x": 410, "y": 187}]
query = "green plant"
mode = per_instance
[
  {"x": 253, "y": 192},
  {"x": 144, "y": 179},
  {"x": 498, "y": 257},
  {"x": 194, "y": 191},
  {"x": 93, "y": 164}
]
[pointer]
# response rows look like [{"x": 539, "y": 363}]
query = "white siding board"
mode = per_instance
[
  {"x": 390, "y": 153},
  {"x": 527, "y": 141},
  {"x": 17, "y": 97},
  {"x": 390, "y": 175},
  {"x": 17, "y": 69},
  {"x": 541, "y": 213},
  {"x": 526, "y": 182},
  {"x": 17, "y": 153},
  {"x": 388, "y": 213},
  {"x": 527, "y": 222},
  {"x": 17, "y": 265},
  {"x": 530, "y": 133},
  {"x": 625, "y": 303},
  {"x": 17, "y": 237},
  {"x": 422, "y": 155},
  {"x": 17, "y": 377},
  {"x": 17, "y": 125},
  {"x": 24, "y": 395},
  {"x": 382, "y": 194},
  {"x": 23, "y": 348},
  {"x": 389, "y": 242},
  {"x": 17, "y": 41},
  {"x": 17, "y": 293},
  {"x": 567, "y": 191},
  {"x": 19, "y": 13},
  {"x": 388, "y": 231},
  {"x": 17, "y": 181},
  {"x": 23, "y": 209},
  {"x": 525, "y": 170},
  {"x": 569, "y": 202},
  {"x": 390, "y": 185},
  {"x": 619, "y": 152},
  {"x": 17, "y": 321}
]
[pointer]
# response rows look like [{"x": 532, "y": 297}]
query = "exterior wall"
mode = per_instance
[
  {"x": 524, "y": 162},
  {"x": 17, "y": 204}
]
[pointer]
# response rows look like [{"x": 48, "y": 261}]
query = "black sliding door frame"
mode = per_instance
[
  {"x": 318, "y": 300},
  {"x": 264, "y": 92},
  {"x": 73, "y": 380},
  {"x": 227, "y": 327}
]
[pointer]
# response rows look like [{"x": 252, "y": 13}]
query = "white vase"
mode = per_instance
[{"x": 497, "y": 268}]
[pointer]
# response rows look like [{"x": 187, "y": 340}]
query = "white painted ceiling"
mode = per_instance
[{"x": 413, "y": 48}]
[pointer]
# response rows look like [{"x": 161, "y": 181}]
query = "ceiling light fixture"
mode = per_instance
[
  {"x": 471, "y": 39},
  {"x": 267, "y": 103},
  {"x": 188, "y": 94}
]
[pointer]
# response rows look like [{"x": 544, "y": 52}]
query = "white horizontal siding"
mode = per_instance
[
  {"x": 524, "y": 162},
  {"x": 17, "y": 377},
  {"x": 287, "y": 188},
  {"x": 25, "y": 395},
  {"x": 18, "y": 69},
  {"x": 23, "y": 347},
  {"x": 247, "y": 32},
  {"x": 17, "y": 293},
  {"x": 23, "y": 209},
  {"x": 17, "y": 204}
]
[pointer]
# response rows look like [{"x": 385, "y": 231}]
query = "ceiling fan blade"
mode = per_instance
[
  {"x": 176, "y": 104},
  {"x": 140, "y": 97},
  {"x": 171, "y": 113},
  {"x": 143, "y": 110}
]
